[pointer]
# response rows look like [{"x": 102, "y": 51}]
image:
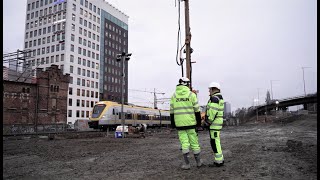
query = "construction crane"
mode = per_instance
[{"x": 154, "y": 95}]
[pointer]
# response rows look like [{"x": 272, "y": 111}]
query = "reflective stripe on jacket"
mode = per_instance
[
  {"x": 215, "y": 108},
  {"x": 183, "y": 105}
]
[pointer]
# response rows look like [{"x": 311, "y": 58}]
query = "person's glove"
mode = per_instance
[{"x": 207, "y": 122}]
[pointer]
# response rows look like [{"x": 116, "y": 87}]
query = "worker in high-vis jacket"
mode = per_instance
[
  {"x": 214, "y": 119},
  {"x": 185, "y": 117}
]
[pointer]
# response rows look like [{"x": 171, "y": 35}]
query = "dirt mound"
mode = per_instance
[{"x": 305, "y": 120}]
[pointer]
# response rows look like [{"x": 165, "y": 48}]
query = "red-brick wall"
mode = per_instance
[{"x": 20, "y": 107}]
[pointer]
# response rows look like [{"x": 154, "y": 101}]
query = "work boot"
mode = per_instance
[
  {"x": 186, "y": 164},
  {"x": 216, "y": 164},
  {"x": 198, "y": 160}
]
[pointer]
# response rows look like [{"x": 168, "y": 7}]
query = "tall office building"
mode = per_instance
[
  {"x": 227, "y": 109},
  {"x": 83, "y": 37}
]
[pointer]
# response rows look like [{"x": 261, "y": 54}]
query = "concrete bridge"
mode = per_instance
[{"x": 283, "y": 104}]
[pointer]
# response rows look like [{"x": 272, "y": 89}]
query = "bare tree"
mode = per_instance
[{"x": 268, "y": 98}]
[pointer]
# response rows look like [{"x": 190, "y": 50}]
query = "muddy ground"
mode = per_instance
[{"x": 286, "y": 150}]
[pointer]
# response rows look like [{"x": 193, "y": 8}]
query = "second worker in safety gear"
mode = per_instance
[
  {"x": 214, "y": 119},
  {"x": 185, "y": 117}
]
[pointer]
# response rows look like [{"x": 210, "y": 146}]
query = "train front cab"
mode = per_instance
[{"x": 96, "y": 115}]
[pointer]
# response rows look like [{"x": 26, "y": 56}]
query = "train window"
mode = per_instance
[
  {"x": 129, "y": 116},
  {"x": 97, "y": 110},
  {"x": 113, "y": 111}
]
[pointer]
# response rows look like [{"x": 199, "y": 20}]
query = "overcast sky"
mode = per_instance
[{"x": 242, "y": 44}]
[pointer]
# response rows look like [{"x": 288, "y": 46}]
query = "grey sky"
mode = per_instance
[{"x": 241, "y": 44}]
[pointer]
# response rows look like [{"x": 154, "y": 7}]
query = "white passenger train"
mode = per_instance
[{"x": 107, "y": 114}]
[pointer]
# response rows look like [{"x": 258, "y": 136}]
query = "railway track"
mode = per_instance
[
  {"x": 59, "y": 135},
  {"x": 73, "y": 134}
]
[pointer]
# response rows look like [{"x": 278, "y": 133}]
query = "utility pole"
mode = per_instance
[
  {"x": 155, "y": 99},
  {"x": 123, "y": 57},
  {"x": 154, "y": 96},
  {"x": 304, "y": 83},
  {"x": 188, "y": 42},
  {"x": 271, "y": 88}
]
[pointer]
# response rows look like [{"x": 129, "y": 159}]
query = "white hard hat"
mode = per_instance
[
  {"x": 214, "y": 85},
  {"x": 184, "y": 81}
]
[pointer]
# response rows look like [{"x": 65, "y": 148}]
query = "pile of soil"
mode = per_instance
[{"x": 286, "y": 150}]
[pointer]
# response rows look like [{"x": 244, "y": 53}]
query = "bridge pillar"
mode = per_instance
[{"x": 305, "y": 106}]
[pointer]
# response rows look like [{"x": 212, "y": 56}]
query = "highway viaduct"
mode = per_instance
[{"x": 283, "y": 104}]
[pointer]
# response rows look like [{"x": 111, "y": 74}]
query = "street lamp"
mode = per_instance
[
  {"x": 271, "y": 88},
  {"x": 257, "y": 106},
  {"x": 304, "y": 84},
  {"x": 123, "y": 57},
  {"x": 277, "y": 102}
]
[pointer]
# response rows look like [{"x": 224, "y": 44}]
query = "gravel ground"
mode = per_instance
[{"x": 286, "y": 150}]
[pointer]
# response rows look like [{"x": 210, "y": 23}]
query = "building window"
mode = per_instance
[
  {"x": 80, "y": 40},
  {"x": 70, "y": 102},
  {"x": 70, "y": 91},
  {"x": 72, "y": 47},
  {"x": 73, "y": 27},
  {"x": 72, "y": 37},
  {"x": 71, "y": 58},
  {"x": 71, "y": 69},
  {"x": 78, "y": 92},
  {"x": 74, "y": 7},
  {"x": 62, "y": 57},
  {"x": 77, "y": 113},
  {"x": 69, "y": 113},
  {"x": 62, "y": 68},
  {"x": 73, "y": 17},
  {"x": 79, "y": 50},
  {"x": 78, "y": 102}
]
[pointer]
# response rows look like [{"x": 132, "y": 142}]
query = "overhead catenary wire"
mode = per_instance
[
  {"x": 16, "y": 57},
  {"x": 179, "y": 41}
]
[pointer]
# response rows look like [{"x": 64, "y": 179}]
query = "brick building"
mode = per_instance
[{"x": 40, "y": 106}]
